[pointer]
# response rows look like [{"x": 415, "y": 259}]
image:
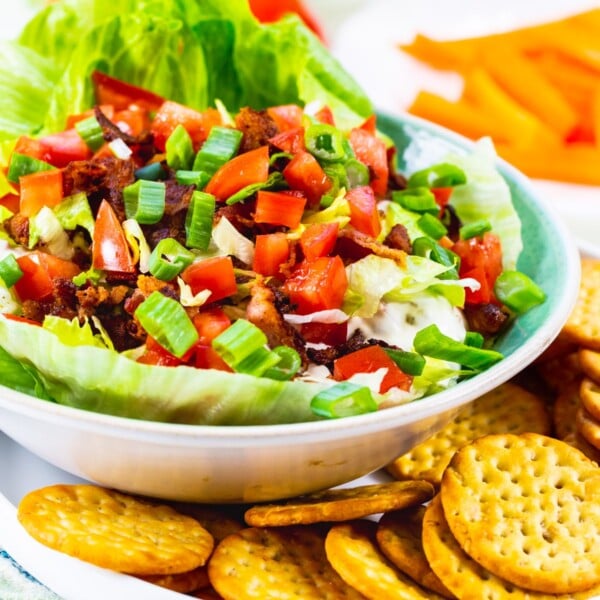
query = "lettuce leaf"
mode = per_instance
[{"x": 77, "y": 376}]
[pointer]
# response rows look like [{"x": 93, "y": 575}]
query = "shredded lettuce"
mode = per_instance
[
  {"x": 75, "y": 211},
  {"x": 230, "y": 241},
  {"x": 74, "y": 333},
  {"x": 46, "y": 229},
  {"x": 20, "y": 377}
]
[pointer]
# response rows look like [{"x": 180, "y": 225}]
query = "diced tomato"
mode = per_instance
[
  {"x": 155, "y": 354},
  {"x": 11, "y": 201},
  {"x": 304, "y": 173},
  {"x": 214, "y": 274},
  {"x": 268, "y": 11},
  {"x": 206, "y": 357},
  {"x": 44, "y": 188},
  {"x": 363, "y": 210},
  {"x": 197, "y": 124},
  {"x": 39, "y": 272},
  {"x": 119, "y": 94},
  {"x": 21, "y": 319},
  {"x": 279, "y": 208},
  {"x": 370, "y": 124},
  {"x": 107, "y": 109},
  {"x": 62, "y": 148},
  {"x": 133, "y": 120},
  {"x": 270, "y": 252},
  {"x": 240, "y": 171},
  {"x": 318, "y": 284},
  {"x": 325, "y": 115},
  {"x": 369, "y": 360},
  {"x": 318, "y": 239},
  {"x": 209, "y": 323},
  {"x": 442, "y": 196},
  {"x": 286, "y": 116},
  {"x": 371, "y": 151},
  {"x": 332, "y": 334},
  {"x": 291, "y": 140},
  {"x": 30, "y": 147},
  {"x": 110, "y": 250},
  {"x": 480, "y": 258}
]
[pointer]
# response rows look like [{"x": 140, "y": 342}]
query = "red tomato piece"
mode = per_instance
[
  {"x": 268, "y": 11},
  {"x": 271, "y": 250},
  {"x": 442, "y": 196},
  {"x": 107, "y": 109},
  {"x": 318, "y": 284},
  {"x": 62, "y": 148},
  {"x": 371, "y": 151},
  {"x": 214, "y": 274},
  {"x": 44, "y": 188},
  {"x": 30, "y": 147},
  {"x": 155, "y": 354},
  {"x": 110, "y": 250},
  {"x": 240, "y": 171},
  {"x": 110, "y": 90},
  {"x": 39, "y": 272},
  {"x": 332, "y": 334},
  {"x": 286, "y": 116},
  {"x": 11, "y": 201},
  {"x": 134, "y": 120},
  {"x": 209, "y": 323},
  {"x": 290, "y": 140},
  {"x": 369, "y": 360},
  {"x": 318, "y": 239},
  {"x": 325, "y": 115},
  {"x": 304, "y": 173},
  {"x": 363, "y": 210},
  {"x": 370, "y": 125},
  {"x": 279, "y": 208}
]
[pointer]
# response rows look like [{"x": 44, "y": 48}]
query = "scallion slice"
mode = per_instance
[
  {"x": 474, "y": 229},
  {"x": 325, "y": 142},
  {"x": 145, "y": 201},
  {"x": 432, "y": 226},
  {"x": 357, "y": 173},
  {"x": 410, "y": 363},
  {"x": 343, "y": 399},
  {"x": 474, "y": 339},
  {"x": 238, "y": 342},
  {"x": 179, "y": 149},
  {"x": 10, "y": 272},
  {"x": 197, "y": 178},
  {"x": 152, "y": 171},
  {"x": 260, "y": 361},
  {"x": 418, "y": 199},
  {"x": 165, "y": 320},
  {"x": 288, "y": 365},
  {"x": 21, "y": 164},
  {"x": 430, "y": 341},
  {"x": 90, "y": 132},
  {"x": 168, "y": 259},
  {"x": 199, "y": 220},
  {"x": 220, "y": 146},
  {"x": 518, "y": 292},
  {"x": 275, "y": 181},
  {"x": 120, "y": 149},
  {"x": 440, "y": 175}
]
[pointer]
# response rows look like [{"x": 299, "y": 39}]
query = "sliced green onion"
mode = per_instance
[
  {"x": 518, "y": 292},
  {"x": 90, "y": 132},
  {"x": 357, "y": 173},
  {"x": 166, "y": 321},
  {"x": 325, "y": 142},
  {"x": 475, "y": 229},
  {"x": 199, "y": 220},
  {"x": 419, "y": 199},
  {"x": 258, "y": 362},
  {"x": 274, "y": 181},
  {"x": 430, "y": 341},
  {"x": 474, "y": 339},
  {"x": 410, "y": 363},
  {"x": 425, "y": 246},
  {"x": 277, "y": 155},
  {"x": 120, "y": 149},
  {"x": 343, "y": 399},
  {"x": 145, "y": 201},
  {"x": 197, "y": 178},
  {"x": 92, "y": 276},
  {"x": 168, "y": 259},
  {"x": 179, "y": 149},
  {"x": 441, "y": 175},
  {"x": 432, "y": 226},
  {"x": 152, "y": 171},
  {"x": 21, "y": 164},
  {"x": 220, "y": 146},
  {"x": 238, "y": 342},
  {"x": 10, "y": 272},
  {"x": 289, "y": 364}
]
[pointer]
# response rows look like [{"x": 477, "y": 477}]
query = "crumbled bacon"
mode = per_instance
[
  {"x": 488, "y": 319},
  {"x": 257, "y": 127},
  {"x": 17, "y": 227},
  {"x": 370, "y": 245},
  {"x": 398, "y": 238}
]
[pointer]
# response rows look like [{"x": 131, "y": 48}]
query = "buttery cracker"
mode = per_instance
[
  {"x": 526, "y": 508},
  {"x": 399, "y": 538},
  {"x": 588, "y": 427},
  {"x": 589, "y": 361},
  {"x": 217, "y": 520},
  {"x": 560, "y": 372},
  {"x": 578, "y": 441},
  {"x": 353, "y": 552},
  {"x": 114, "y": 530},
  {"x": 274, "y": 563},
  {"x": 589, "y": 393},
  {"x": 341, "y": 504},
  {"x": 508, "y": 408},
  {"x": 184, "y": 583},
  {"x": 467, "y": 578},
  {"x": 564, "y": 409}
]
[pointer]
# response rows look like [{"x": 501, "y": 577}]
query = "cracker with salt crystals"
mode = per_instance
[
  {"x": 526, "y": 508},
  {"x": 184, "y": 583},
  {"x": 114, "y": 530},
  {"x": 508, "y": 408},
  {"x": 583, "y": 325},
  {"x": 274, "y": 563},
  {"x": 467, "y": 578},
  {"x": 399, "y": 538},
  {"x": 353, "y": 552},
  {"x": 341, "y": 504},
  {"x": 219, "y": 521}
]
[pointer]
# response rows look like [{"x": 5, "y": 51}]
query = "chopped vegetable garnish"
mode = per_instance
[
  {"x": 145, "y": 201},
  {"x": 344, "y": 399},
  {"x": 518, "y": 292}
]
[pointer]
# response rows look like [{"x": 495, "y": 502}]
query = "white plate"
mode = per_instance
[{"x": 366, "y": 43}]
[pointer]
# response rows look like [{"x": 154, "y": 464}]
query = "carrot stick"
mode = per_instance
[
  {"x": 442, "y": 55},
  {"x": 596, "y": 117}
]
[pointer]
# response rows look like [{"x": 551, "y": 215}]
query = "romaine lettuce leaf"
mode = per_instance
[{"x": 19, "y": 377}]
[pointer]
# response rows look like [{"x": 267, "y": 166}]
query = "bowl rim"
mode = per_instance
[{"x": 450, "y": 399}]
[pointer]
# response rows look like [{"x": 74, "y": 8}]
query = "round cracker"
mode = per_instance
[
  {"x": 352, "y": 551},
  {"x": 114, "y": 530},
  {"x": 508, "y": 408},
  {"x": 465, "y": 577},
  {"x": 578, "y": 441},
  {"x": 588, "y": 427},
  {"x": 564, "y": 410},
  {"x": 219, "y": 521},
  {"x": 341, "y": 504},
  {"x": 589, "y": 361},
  {"x": 184, "y": 583},
  {"x": 589, "y": 392},
  {"x": 526, "y": 508},
  {"x": 269, "y": 563},
  {"x": 560, "y": 371},
  {"x": 583, "y": 324},
  {"x": 399, "y": 538}
]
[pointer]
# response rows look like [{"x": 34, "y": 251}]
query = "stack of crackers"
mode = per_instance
[{"x": 504, "y": 502}]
